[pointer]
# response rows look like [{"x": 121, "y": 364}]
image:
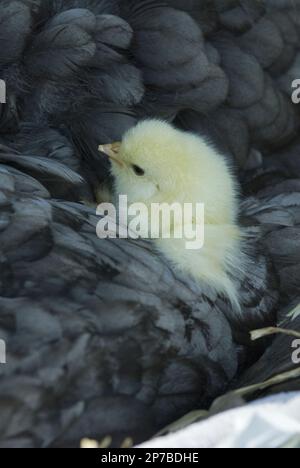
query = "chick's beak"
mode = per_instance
[{"x": 112, "y": 150}]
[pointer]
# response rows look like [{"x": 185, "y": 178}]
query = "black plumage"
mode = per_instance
[
  {"x": 94, "y": 331},
  {"x": 104, "y": 338}
]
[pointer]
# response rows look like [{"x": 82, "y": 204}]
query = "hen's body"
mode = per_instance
[{"x": 102, "y": 337}]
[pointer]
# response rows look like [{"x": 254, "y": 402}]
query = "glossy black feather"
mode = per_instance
[{"x": 104, "y": 338}]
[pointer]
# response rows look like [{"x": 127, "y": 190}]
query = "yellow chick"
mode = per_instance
[{"x": 157, "y": 163}]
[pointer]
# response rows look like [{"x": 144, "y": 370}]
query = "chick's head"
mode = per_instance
[
  {"x": 148, "y": 163},
  {"x": 157, "y": 163}
]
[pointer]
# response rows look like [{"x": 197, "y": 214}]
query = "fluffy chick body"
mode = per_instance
[{"x": 180, "y": 167}]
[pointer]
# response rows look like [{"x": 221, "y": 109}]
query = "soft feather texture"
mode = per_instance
[
  {"x": 104, "y": 337},
  {"x": 110, "y": 339}
]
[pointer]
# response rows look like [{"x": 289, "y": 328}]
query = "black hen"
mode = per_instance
[{"x": 103, "y": 338}]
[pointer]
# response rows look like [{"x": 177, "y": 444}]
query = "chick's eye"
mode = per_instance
[{"x": 138, "y": 170}]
